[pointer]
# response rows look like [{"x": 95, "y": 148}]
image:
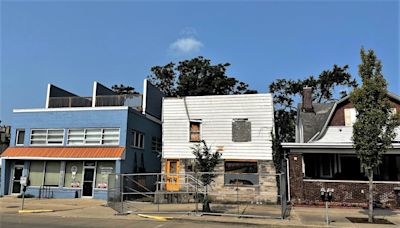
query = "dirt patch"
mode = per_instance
[{"x": 365, "y": 220}]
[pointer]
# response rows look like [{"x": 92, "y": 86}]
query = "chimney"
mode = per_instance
[{"x": 307, "y": 99}]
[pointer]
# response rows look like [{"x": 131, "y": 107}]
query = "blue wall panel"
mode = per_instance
[{"x": 70, "y": 119}]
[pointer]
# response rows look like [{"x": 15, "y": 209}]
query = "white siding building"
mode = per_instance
[{"x": 238, "y": 126}]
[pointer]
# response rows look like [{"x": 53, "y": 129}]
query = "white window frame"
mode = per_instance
[
  {"x": 17, "y": 136},
  {"x": 101, "y": 138},
  {"x": 47, "y": 135},
  {"x": 141, "y": 136}
]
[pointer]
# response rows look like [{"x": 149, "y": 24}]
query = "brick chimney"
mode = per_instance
[{"x": 307, "y": 99}]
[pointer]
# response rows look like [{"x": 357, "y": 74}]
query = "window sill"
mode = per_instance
[
  {"x": 244, "y": 186},
  {"x": 137, "y": 148}
]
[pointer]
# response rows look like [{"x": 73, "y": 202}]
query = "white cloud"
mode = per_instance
[{"x": 186, "y": 45}]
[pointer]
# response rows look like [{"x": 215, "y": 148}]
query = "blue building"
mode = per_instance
[{"x": 68, "y": 148}]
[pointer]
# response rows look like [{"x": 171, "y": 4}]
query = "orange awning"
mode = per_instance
[{"x": 101, "y": 153}]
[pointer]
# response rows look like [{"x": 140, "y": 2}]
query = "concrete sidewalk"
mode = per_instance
[{"x": 300, "y": 216}]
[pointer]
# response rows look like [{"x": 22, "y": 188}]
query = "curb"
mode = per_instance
[
  {"x": 34, "y": 211},
  {"x": 249, "y": 223}
]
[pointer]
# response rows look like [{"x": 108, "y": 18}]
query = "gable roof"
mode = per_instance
[
  {"x": 311, "y": 123},
  {"x": 323, "y": 130}
]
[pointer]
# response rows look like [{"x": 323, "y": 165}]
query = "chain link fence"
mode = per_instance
[{"x": 240, "y": 195}]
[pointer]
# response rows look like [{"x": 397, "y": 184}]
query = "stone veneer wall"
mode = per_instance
[
  {"x": 266, "y": 192},
  {"x": 346, "y": 193}
]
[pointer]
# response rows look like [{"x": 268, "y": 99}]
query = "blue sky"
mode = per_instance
[{"x": 72, "y": 44}]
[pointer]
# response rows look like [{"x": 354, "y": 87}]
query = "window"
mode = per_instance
[
  {"x": 349, "y": 116},
  {"x": 195, "y": 131},
  {"x": 241, "y": 173},
  {"x": 326, "y": 166},
  {"x": 73, "y": 174},
  {"x": 137, "y": 139},
  {"x": 52, "y": 173},
  {"x": 156, "y": 144},
  {"x": 47, "y": 137},
  {"x": 241, "y": 130},
  {"x": 93, "y": 136},
  {"x": 36, "y": 173},
  {"x": 103, "y": 169},
  {"x": 20, "y": 137}
]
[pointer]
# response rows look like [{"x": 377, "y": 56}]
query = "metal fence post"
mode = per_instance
[
  {"x": 196, "y": 194},
  {"x": 122, "y": 193},
  {"x": 157, "y": 192},
  {"x": 237, "y": 194}
]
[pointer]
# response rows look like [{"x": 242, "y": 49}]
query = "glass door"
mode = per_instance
[
  {"x": 16, "y": 185},
  {"x": 88, "y": 179}
]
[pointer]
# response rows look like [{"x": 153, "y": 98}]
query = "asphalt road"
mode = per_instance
[{"x": 38, "y": 221}]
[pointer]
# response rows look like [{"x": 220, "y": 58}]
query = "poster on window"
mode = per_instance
[{"x": 104, "y": 172}]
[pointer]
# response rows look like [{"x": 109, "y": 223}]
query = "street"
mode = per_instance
[{"x": 38, "y": 221}]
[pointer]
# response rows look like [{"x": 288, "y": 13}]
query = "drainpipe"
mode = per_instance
[{"x": 288, "y": 176}]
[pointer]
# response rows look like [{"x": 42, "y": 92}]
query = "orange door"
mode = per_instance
[{"x": 172, "y": 175}]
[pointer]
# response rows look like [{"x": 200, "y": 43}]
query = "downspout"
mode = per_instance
[{"x": 287, "y": 177}]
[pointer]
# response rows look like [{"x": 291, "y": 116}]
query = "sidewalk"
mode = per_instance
[{"x": 300, "y": 216}]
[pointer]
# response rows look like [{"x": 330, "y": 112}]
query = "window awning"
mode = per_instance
[{"x": 64, "y": 153}]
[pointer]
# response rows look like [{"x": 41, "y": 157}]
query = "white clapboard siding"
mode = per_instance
[
  {"x": 343, "y": 134},
  {"x": 216, "y": 114}
]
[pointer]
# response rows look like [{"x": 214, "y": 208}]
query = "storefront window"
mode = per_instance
[
  {"x": 103, "y": 169},
  {"x": 52, "y": 173},
  {"x": 36, "y": 173},
  {"x": 73, "y": 174}
]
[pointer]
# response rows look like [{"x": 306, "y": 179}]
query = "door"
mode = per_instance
[
  {"x": 172, "y": 175},
  {"x": 16, "y": 185},
  {"x": 88, "y": 181}
]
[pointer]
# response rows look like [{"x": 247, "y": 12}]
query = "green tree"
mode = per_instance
[
  {"x": 122, "y": 89},
  {"x": 287, "y": 94},
  {"x": 373, "y": 116},
  {"x": 196, "y": 77},
  {"x": 205, "y": 163}
]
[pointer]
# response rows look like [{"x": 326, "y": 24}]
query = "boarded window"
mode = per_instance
[
  {"x": 195, "y": 131},
  {"x": 241, "y": 173},
  {"x": 241, "y": 130}
]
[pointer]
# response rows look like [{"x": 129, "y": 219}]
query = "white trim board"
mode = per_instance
[
  {"x": 350, "y": 181},
  {"x": 63, "y": 158},
  {"x": 71, "y": 109}
]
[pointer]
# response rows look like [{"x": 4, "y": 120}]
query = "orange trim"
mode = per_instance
[{"x": 65, "y": 152}]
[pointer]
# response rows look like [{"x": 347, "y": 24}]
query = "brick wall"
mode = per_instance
[{"x": 345, "y": 193}]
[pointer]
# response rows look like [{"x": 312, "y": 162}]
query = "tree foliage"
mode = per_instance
[
  {"x": 196, "y": 77},
  {"x": 122, "y": 89},
  {"x": 373, "y": 116},
  {"x": 205, "y": 164},
  {"x": 287, "y": 94},
  {"x": 205, "y": 161}
]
